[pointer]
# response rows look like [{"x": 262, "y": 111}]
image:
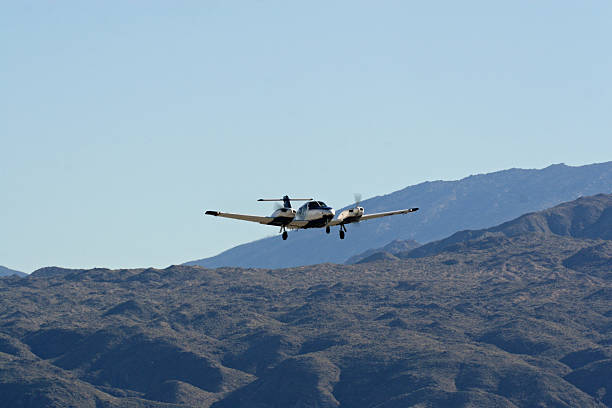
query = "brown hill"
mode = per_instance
[{"x": 509, "y": 320}]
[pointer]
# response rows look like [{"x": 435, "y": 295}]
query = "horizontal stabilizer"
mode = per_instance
[
  {"x": 286, "y": 200},
  {"x": 282, "y": 199}
]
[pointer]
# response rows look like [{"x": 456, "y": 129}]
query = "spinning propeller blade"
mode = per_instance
[{"x": 357, "y": 197}]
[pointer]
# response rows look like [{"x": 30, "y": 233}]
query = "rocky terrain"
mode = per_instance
[
  {"x": 496, "y": 318},
  {"x": 388, "y": 251},
  {"x": 446, "y": 207}
]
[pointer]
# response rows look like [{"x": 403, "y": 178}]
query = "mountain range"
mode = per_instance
[
  {"x": 517, "y": 315},
  {"x": 4, "y": 271},
  {"x": 474, "y": 202}
]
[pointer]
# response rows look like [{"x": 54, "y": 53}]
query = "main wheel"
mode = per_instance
[
  {"x": 285, "y": 235},
  {"x": 341, "y": 234},
  {"x": 327, "y": 229}
]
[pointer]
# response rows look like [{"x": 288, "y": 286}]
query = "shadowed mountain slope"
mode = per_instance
[{"x": 478, "y": 201}]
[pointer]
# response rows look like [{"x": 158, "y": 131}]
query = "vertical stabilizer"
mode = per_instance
[{"x": 286, "y": 202}]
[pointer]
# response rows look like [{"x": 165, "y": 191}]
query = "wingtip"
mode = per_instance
[
  {"x": 215, "y": 213},
  {"x": 414, "y": 209}
]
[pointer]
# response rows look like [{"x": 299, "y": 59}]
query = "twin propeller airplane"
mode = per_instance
[{"x": 313, "y": 214}]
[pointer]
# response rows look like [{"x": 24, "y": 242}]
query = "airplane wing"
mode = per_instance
[
  {"x": 375, "y": 215},
  {"x": 386, "y": 214},
  {"x": 252, "y": 218}
]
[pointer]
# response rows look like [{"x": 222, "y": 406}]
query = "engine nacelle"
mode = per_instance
[
  {"x": 351, "y": 215},
  {"x": 288, "y": 213}
]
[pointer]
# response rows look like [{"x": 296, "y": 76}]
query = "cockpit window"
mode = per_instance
[{"x": 313, "y": 205}]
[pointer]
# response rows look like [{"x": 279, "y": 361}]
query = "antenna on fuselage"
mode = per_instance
[{"x": 286, "y": 200}]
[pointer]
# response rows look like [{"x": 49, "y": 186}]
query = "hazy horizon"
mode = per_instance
[{"x": 122, "y": 122}]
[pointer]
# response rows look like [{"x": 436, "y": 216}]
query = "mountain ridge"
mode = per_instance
[{"x": 476, "y": 201}]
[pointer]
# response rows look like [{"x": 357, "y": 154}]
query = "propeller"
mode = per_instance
[{"x": 357, "y": 197}]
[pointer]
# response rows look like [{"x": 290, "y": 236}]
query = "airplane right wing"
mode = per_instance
[
  {"x": 386, "y": 214},
  {"x": 243, "y": 217},
  {"x": 365, "y": 217}
]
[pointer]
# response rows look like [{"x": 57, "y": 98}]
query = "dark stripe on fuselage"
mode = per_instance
[{"x": 321, "y": 222}]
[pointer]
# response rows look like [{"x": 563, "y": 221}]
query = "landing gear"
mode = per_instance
[
  {"x": 327, "y": 229},
  {"x": 285, "y": 235},
  {"x": 342, "y": 231}
]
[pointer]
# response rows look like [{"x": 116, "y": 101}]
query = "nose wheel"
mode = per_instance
[{"x": 327, "y": 229}]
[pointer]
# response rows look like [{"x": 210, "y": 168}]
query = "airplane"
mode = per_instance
[{"x": 313, "y": 214}]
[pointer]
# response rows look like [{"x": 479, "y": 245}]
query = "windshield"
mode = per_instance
[{"x": 313, "y": 205}]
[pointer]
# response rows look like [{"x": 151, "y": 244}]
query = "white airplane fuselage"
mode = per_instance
[{"x": 316, "y": 214}]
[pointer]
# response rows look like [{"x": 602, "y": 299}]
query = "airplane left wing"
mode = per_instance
[{"x": 252, "y": 218}]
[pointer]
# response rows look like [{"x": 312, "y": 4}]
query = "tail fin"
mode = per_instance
[{"x": 286, "y": 202}]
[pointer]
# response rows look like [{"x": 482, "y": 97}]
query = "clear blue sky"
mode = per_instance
[{"x": 120, "y": 122}]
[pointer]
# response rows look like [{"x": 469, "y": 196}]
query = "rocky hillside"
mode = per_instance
[
  {"x": 587, "y": 217},
  {"x": 445, "y": 207},
  {"x": 517, "y": 320}
]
